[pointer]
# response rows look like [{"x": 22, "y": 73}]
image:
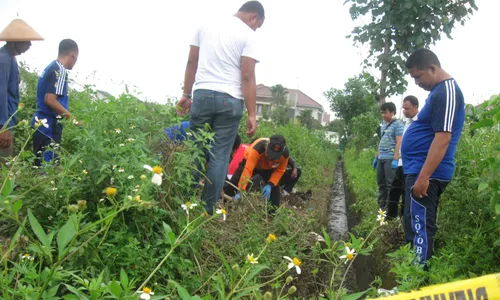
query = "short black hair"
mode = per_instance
[
  {"x": 388, "y": 106},
  {"x": 237, "y": 142},
  {"x": 66, "y": 46},
  {"x": 253, "y": 7},
  {"x": 412, "y": 99},
  {"x": 422, "y": 59}
]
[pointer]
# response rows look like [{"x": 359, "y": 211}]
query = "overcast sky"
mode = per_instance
[{"x": 302, "y": 44}]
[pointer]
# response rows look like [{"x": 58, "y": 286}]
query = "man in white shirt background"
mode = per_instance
[
  {"x": 410, "y": 110},
  {"x": 220, "y": 79}
]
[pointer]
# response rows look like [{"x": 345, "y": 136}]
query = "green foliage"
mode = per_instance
[
  {"x": 397, "y": 28},
  {"x": 306, "y": 119},
  {"x": 279, "y": 105},
  {"x": 364, "y": 131},
  {"x": 356, "y": 98}
]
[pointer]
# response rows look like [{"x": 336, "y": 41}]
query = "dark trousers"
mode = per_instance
[
  {"x": 420, "y": 216},
  {"x": 385, "y": 176},
  {"x": 288, "y": 182},
  {"x": 257, "y": 176},
  {"x": 42, "y": 141},
  {"x": 397, "y": 190}
]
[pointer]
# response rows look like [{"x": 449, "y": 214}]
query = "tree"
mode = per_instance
[
  {"x": 337, "y": 125},
  {"x": 306, "y": 119},
  {"x": 397, "y": 28},
  {"x": 356, "y": 98},
  {"x": 279, "y": 106}
]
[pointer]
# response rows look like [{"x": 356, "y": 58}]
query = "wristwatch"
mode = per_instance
[{"x": 187, "y": 95}]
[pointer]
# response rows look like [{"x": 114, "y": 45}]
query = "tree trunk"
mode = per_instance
[{"x": 383, "y": 77}]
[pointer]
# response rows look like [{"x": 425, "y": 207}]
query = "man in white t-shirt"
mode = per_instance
[
  {"x": 410, "y": 110},
  {"x": 220, "y": 78}
]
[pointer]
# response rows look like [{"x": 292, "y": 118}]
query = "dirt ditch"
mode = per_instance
[{"x": 341, "y": 221}]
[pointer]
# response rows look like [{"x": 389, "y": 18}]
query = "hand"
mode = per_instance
[
  {"x": 185, "y": 106},
  {"x": 251, "y": 126},
  {"x": 295, "y": 172},
  {"x": 394, "y": 164},
  {"x": 266, "y": 192},
  {"x": 420, "y": 187},
  {"x": 237, "y": 197},
  {"x": 5, "y": 139},
  {"x": 374, "y": 163}
]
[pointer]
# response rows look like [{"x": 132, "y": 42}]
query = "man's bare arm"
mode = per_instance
[
  {"x": 191, "y": 68},
  {"x": 248, "y": 84},
  {"x": 398, "y": 146},
  {"x": 55, "y": 105}
]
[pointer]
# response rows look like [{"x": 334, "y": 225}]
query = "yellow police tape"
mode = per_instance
[{"x": 480, "y": 288}]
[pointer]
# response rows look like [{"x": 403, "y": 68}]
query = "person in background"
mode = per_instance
[
  {"x": 52, "y": 102},
  {"x": 267, "y": 157},
  {"x": 221, "y": 72},
  {"x": 386, "y": 161},
  {"x": 288, "y": 180},
  {"x": 18, "y": 35},
  {"x": 410, "y": 110},
  {"x": 429, "y": 148}
]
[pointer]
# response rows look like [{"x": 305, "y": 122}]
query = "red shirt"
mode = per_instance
[{"x": 238, "y": 156}]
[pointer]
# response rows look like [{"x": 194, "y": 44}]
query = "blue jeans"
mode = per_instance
[{"x": 222, "y": 113}]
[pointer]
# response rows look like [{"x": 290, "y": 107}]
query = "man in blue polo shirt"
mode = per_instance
[
  {"x": 428, "y": 149},
  {"x": 52, "y": 102}
]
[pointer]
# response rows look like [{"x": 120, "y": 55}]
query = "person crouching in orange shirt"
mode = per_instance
[{"x": 267, "y": 157}]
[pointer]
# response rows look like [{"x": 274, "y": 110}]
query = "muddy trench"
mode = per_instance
[{"x": 340, "y": 222}]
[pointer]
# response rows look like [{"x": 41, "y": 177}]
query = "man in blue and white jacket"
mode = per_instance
[{"x": 428, "y": 149}]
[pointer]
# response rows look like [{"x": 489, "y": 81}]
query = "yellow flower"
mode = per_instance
[
  {"x": 146, "y": 292},
  {"x": 295, "y": 262},
  {"x": 270, "y": 238},
  {"x": 21, "y": 105},
  {"x": 27, "y": 256},
  {"x": 252, "y": 259},
  {"x": 111, "y": 191},
  {"x": 222, "y": 212},
  {"x": 85, "y": 172},
  {"x": 117, "y": 130},
  {"x": 131, "y": 140},
  {"x": 349, "y": 254}
]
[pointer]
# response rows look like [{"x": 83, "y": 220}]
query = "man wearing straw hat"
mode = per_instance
[{"x": 18, "y": 35}]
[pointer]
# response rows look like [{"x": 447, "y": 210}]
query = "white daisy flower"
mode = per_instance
[
  {"x": 158, "y": 173},
  {"x": 295, "y": 262}
]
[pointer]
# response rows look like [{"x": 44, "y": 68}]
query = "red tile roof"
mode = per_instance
[{"x": 303, "y": 99}]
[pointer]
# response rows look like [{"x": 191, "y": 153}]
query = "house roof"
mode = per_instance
[
  {"x": 303, "y": 99},
  {"x": 104, "y": 93}
]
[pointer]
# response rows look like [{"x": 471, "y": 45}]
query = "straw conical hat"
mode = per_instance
[{"x": 19, "y": 31}]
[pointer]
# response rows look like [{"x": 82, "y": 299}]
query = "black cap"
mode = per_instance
[{"x": 276, "y": 147}]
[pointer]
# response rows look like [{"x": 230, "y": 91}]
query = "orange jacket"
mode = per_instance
[{"x": 256, "y": 159}]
